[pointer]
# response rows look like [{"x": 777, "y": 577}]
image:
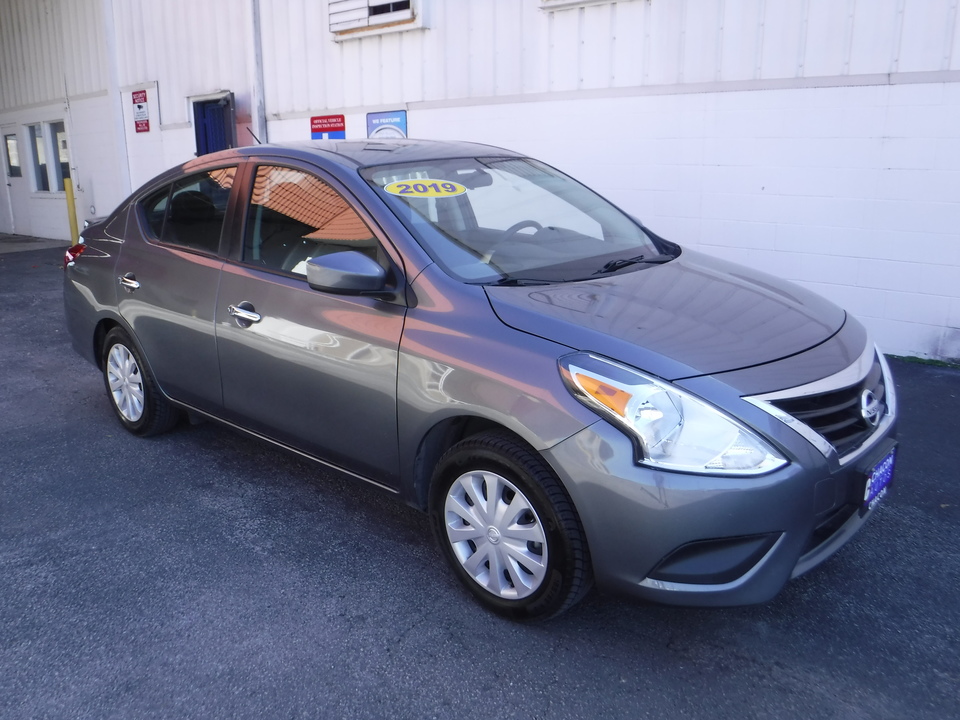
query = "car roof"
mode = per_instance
[{"x": 363, "y": 153}]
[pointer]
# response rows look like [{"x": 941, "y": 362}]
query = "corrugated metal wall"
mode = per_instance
[
  {"x": 50, "y": 49},
  {"x": 29, "y": 45},
  {"x": 473, "y": 49},
  {"x": 84, "y": 46},
  {"x": 485, "y": 48},
  {"x": 187, "y": 47}
]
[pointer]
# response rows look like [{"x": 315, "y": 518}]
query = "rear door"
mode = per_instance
[
  {"x": 314, "y": 370},
  {"x": 168, "y": 275}
]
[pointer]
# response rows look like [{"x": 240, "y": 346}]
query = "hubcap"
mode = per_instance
[
  {"x": 496, "y": 534},
  {"x": 126, "y": 385}
]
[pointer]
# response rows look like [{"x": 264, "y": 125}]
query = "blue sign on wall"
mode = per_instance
[{"x": 392, "y": 124}]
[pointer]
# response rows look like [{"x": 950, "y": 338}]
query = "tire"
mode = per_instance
[
  {"x": 522, "y": 555},
  {"x": 134, "y": 396}
]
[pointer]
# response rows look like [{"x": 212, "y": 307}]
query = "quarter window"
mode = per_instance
[
  {"x": 295, "y": 216},
  {"x": 190, "y": 212}
]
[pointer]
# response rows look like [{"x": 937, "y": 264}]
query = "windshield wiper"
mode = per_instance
[
  {"x": 621, "y": 263},
  {"x": 511, "y": 281}
]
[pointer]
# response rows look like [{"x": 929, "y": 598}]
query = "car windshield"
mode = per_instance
[{"x": 512, "y": 221}]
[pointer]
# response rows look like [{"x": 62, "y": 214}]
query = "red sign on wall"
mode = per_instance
[
  {"x": 328, "y": 127},
  {"x": 141, "y": 113}
]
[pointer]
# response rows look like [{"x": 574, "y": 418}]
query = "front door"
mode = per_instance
[{"x": 313, "y": 370}]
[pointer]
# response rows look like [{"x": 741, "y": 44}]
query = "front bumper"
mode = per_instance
[{"x": 708, "y": 540}]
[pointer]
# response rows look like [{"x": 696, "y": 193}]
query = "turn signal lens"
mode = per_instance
[{"x": 605, "y": 394}]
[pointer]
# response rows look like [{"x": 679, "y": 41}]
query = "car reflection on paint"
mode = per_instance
[{"x": 573, "y": 399}]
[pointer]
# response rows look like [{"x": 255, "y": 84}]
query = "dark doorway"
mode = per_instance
[{"x": 214, "y": 122}]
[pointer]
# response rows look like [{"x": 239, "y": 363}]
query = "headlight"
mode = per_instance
[{"x": 674, "y": 429}]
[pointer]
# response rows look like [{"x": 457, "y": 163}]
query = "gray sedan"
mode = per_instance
[{"x": 572, "y": 398}]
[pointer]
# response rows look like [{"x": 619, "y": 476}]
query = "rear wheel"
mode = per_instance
[
  {"x": 140, "y": 406},
  {"x": 508, "y": 529}
]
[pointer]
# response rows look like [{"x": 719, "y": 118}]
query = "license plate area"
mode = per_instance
[{"x": 878, "y": 480}]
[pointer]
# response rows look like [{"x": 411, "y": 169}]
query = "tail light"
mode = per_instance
[{"x": 72, "y": 253}]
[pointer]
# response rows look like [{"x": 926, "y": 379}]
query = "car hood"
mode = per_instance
[{"x": 695, "y": 315}]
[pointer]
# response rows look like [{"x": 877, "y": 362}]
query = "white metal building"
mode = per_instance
[{"x": 815, "y": 139}]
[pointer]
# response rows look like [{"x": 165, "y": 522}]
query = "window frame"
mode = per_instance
[
  {"x": 226, "y": 225},
  {"x": 349, "y": 28},
  {"x": 55, "y": 166},
  {"x": 385, "y": 257},
  {"x": 40, "y": 171},
  {"x": 47, "y": 177}
]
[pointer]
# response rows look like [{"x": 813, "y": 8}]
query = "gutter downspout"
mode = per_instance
[
  {"x": 113, "y": 88},
  {"x": 258, "y": 110}
]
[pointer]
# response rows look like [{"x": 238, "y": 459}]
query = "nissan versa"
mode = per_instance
[{"x": 572, "y": 398}]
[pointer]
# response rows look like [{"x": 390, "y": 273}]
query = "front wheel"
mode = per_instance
[
  {"x": 134, "y": 396},
  {"x": 508, "y": 528}
]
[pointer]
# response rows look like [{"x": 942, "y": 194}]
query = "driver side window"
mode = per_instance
[{"x": 295, "y": 216}]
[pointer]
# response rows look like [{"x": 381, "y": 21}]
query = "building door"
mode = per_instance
[
  {"x": 214, "y": 122},
  {"x": 14, "y": 213}
]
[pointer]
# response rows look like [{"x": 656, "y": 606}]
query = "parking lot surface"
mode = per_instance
[{"x": 203, "y": 574}]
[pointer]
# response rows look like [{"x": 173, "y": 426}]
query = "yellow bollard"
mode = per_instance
[{"x": 71, "y": 210}]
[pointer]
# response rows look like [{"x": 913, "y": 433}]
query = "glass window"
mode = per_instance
[
  {"x": 40, "y": 180},
  {"x": 502, "y": 219},
  {"x": 190, "y": 212},
  {"x": 13, "y": 156},
  {"x": 61, "y": 168},
  {"x": 154, "y": 210},
  {"x": 295, "y": 216}
]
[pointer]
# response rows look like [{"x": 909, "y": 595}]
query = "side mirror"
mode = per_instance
[{"x": 348, "y": 273}]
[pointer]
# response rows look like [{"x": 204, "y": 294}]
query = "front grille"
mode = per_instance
[{"x": 837, "y": 415}]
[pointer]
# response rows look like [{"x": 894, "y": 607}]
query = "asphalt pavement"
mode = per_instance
[{"x": 202, "y": 574}]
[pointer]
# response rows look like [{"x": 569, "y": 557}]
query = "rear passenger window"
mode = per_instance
[
  {"x": 190, "y": 212},
  {"x": 295, "y": 216}
]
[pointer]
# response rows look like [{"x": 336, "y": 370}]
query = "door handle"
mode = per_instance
[
  {"x": 129, "y": 282},
  {"x": 244, "y": 314}
]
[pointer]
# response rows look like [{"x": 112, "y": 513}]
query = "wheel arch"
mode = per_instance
[
  {"x": 437, "y": 440},
  {"x": 100, "y": 332}
]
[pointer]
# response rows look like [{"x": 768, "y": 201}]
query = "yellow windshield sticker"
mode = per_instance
[{"x": 425, "y": 188}]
